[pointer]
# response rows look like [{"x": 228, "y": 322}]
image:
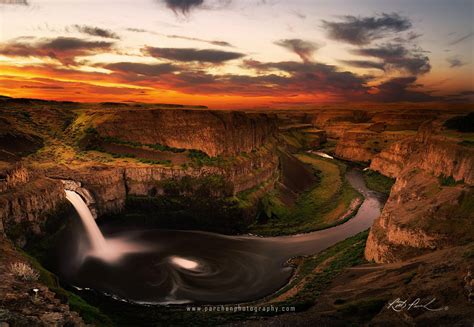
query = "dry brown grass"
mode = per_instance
[{"x": 24, "y": 272}]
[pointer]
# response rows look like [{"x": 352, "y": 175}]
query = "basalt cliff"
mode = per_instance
[
  {"x": 431, "y": 204},
  {"x": 114, "y": 153},
  {"x": 244, "y": 167}
]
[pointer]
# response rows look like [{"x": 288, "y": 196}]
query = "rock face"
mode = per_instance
[
  {"x": 213, "y": 132},
  {"x": 435, "y": 154},
  {"x": 420, "y": 216},
  {"x": 245, "y": 142},
  {"x": 404, "y": 120},
  {"x": 426, "y": 210},
  {"x": 26, "y": 207},
  {"x": 363, "y": 144},
  {"x": 19, "y": 306},
  {"x": 109, "y": 186}
]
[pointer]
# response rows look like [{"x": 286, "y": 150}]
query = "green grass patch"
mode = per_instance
[
  {"x": 89, "y": 313},
  {"x": 200, "y": 158},
  {"x": 347, "y": 253},
  {"x": 378, "y": 182},
  {"x": 448, "y": 181},
  {"x": 318, "y": 208}
]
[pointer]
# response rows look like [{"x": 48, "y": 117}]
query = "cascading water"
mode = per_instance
[
  {"x": 94, "y": 234},
  {"x": 110, "y": 249},
  {"x": 156, "y": 266}
]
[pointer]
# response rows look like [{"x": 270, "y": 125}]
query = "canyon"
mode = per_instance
[{"x": 116, "y": 155}]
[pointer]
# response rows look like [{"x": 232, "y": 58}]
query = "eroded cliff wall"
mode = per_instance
[
  {"x": 245, "y": 143},
  {"x": 27, "y": 203},
  {"x": 431, "y": 204},
  {"x": 213, "y": 132}
]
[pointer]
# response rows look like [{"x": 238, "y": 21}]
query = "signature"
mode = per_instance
[{"x": 399, "y": 305}]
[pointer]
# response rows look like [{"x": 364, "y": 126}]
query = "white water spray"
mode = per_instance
[
  {"x": 109, "y": 250},
  {"x": 94, "y": 234}
]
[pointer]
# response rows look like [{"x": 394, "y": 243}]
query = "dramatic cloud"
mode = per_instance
[
  {"x": 397, "y": 57},
  {"x": 140, "y": 68},
  {"x": 304, "y": 49},
  {"x": 311, "y": 77},
  {"x": 96, "y": 31},
  {"x": 183, "y": 6},
  {"x": 462, "y": 39},
  {"x": 401, "y": 89},
  {"x": 364, "y": 30},
  {"x": 190, "y": 54},
  {"x": 213, "y": 42},
  {"x": 64, "y": 49},
  {"x": 455, "y": 62}
]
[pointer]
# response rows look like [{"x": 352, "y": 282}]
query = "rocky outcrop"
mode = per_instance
[
  {"x": 14, "y": 177},
  {"x": 432, "y": 153},
  {"x": 21, "y": 305},
  {"x": 25, "y": 209},
  {"x": 325, "y": 118},
  {"x": 430, "y": 205},
  {"x": 404, "y": 119},
  {"x": 109, "y": 186},
  {"x": 363, "y": 144},
  {"x": 420, "y": 216},
  {"x": 213, "y": 132},
  {"x": 105, "y": 184},
  {"x": 391, "y": 160}
]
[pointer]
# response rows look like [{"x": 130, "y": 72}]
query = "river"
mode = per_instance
[{"x": 175, "y": 267}]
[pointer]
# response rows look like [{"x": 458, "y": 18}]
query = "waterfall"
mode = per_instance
[
  {"x": 111, "y": 249},
  {"x": 94, "y": 234}
]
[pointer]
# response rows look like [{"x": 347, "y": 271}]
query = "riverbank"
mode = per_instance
[
  {"x": 330, "y": 202},
  {"x": 289, "y": 247}
]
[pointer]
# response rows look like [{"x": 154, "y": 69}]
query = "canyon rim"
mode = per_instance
[{"x": 236, "y": 163}]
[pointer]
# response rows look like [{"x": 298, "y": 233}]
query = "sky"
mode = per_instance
[{"x": 238, "y": 54}]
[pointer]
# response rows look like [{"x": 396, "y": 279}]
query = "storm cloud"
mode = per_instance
[
  {"x": 304, "y": 49},
  {"x": 364, "y": 30},
  {"x": 191, "y": 54}
]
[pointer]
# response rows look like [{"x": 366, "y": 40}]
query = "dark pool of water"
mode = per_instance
[{"x": 172, "y": 266}]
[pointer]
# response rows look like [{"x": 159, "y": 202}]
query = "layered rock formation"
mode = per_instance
[
  {"x": 213, "y": 132},
  {"x": 110, "y": 186},
  {"x": 433, "y": 153},
  {"x": 431, "y": 204},
  {"x": 26, "y": 206},
  {"x": 245, "y": 144},
  {"x": 363, "y": 144}
]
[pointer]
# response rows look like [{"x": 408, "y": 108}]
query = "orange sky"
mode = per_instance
[{"x": 238, "y": 54}]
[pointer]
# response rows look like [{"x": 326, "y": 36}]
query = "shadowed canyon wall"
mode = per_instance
[{"x": 246, "y": 142}]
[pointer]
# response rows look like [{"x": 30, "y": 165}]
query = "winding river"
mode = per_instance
[{"x": 174, "y": 267}]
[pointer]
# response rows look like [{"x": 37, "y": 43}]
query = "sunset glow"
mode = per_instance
[{"x": 238, "y": 54}]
